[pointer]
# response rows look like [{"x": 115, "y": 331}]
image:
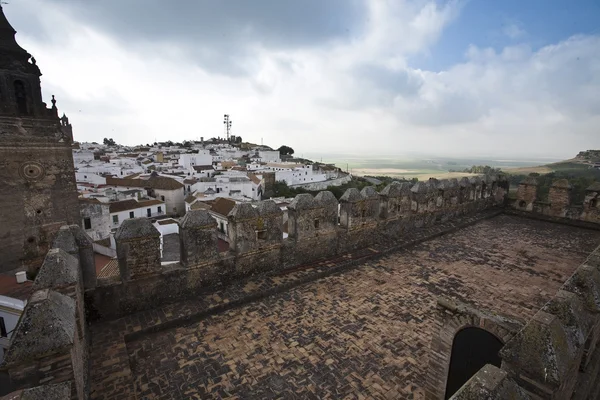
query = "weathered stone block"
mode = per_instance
[
  {"x": 585, "y": 282},
  {"x": 242, "y": 228},
  {"x": 86, "y": 256},
  {"x": 198, "y": 238},
  {"x": 490, "y": 383},
  {"x": 310, "y": 217},
  {"x": 543, "y": 354},
  {"x": 47, "y": 327},
  {"x": 526, "y": 194},
  {"x": 138, "y": 248},
  {"x": 395, "y": 200}
]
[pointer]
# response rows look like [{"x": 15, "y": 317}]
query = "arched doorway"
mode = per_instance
[{"x": 472, "y": 348}]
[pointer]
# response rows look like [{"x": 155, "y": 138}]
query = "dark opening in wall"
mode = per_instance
[
  {"x": 522, "y": 204},
  {"x": 261, "y": 235},
  {"x": 316, "y": 224},
  {"x": 38, "y": 211},
  {"x": 594, "y": 203},
  {"x": 30, "y": 239},
  {"x": 472, "y": 348},
  {"x": 87, "y": 223},
  {"x": 21, "y": 97}
]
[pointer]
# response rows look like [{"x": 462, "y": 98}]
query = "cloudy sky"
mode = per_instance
[{"x": 457, "y": 77}]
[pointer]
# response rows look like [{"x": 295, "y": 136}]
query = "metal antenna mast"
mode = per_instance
[{"x": 227, "y": 123}]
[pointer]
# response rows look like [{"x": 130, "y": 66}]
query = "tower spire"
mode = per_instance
[{"x": 7, "y": 37}]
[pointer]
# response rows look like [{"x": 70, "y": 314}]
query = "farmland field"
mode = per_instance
[{"x": 420, "y": 167}]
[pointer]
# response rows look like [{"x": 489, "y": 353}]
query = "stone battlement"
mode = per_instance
[
  {"x": 543, "y": 357},
  {"x": 558, "y": 205},
  {"x": 556, "y": 354},
  {"x": 319, "y": 227}
]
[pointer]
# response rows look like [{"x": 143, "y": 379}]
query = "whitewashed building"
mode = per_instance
[{"x": 126, "y": 209}]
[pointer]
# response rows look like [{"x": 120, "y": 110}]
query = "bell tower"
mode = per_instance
[{"x": 38, "y": 192}]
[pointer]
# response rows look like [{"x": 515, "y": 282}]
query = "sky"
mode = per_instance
[{"x": 508, "y": 78}]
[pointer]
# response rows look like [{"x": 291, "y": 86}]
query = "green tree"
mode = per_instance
[
  {"x": 285, "y": 150},
  {"x": 109, "y": 142}
]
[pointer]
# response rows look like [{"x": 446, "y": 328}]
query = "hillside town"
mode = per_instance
[{"x": 163, "y": 181}]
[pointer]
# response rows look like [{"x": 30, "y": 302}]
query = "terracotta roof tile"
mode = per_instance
[
  {"x": 155, "y": 182},
  {"x": 131, "y": 204},
  {"x": 223, "y": 206}
]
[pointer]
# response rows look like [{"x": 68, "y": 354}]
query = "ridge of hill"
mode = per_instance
[{"x": 585, "y": 160}]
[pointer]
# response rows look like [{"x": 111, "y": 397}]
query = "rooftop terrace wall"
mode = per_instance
[
  {"x": 49, "y": 348},
  {"x": 558, "y": 206},
  {"x": 556, "y": 355},
  {"x": 319, "y": 227}
]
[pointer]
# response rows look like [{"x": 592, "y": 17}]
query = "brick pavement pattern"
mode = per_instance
[{"x": 364, "y": 333}]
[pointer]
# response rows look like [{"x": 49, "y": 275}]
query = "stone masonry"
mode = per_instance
[{"x": 37, "y": 177}]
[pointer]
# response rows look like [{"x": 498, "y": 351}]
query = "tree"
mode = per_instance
[
  {"x": 238, "y": 139},
  {"x": 109, "y": 142},
  {"x": 285, "y": 150}
]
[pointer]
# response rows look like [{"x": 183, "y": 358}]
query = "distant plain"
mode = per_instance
[{"x": 421, "y": 167}]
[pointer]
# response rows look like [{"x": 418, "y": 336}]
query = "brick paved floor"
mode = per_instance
[{"x": 361, "y": 334}]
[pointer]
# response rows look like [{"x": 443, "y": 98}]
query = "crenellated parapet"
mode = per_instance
[
  {"x": 558, "y": 205},
  {"x": 138, "y": 248},
  {"x": 48, "y": 353},
  {"x": 359, "y": 208},
  {"x": 556, "y": 354},
  {"x": 318, "y": 228},
  {"x": 491, "y": 383},
  {"x": 591, "y": 203},
  {"x": 395, "y": 201},
  {"x": 310, "y": 217},
  {"x": 198, "y": 238},
  {"x": 526, "y": 194}
]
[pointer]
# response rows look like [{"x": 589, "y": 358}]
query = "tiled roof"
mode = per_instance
[
  {"x": 167, "y": 221},
  {"x": 155, "y": 182},
  {"x": 254, "y": 178},
  {"x": 199, "y": 205},
  {"x": 110, "y": 269},
  {"x": 89, "y": 200},
  {"x": 190, "y": 198},
  {"x": 223, "y": 206},
  {"x": 131, "y": 204},
  {"x": 200, "y": 168},
  {"x": 10, "y": 288}
]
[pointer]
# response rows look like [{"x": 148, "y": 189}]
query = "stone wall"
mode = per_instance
[
  {"x": 319, "y": 228},
  {"x": 50, "y": 343},
  {"x": 556, "y": 355},
  {"x": 558, "y": 205},
  {"x": 323, "y": 185},
  {"x": 37, "y": 180}
]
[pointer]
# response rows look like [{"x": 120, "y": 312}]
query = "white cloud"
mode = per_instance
[
  {"x": 513, "y": 30},
  {"x": 347, "y": 95}
]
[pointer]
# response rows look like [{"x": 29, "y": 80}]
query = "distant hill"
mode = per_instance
[
  {"x": 589, "y": 156},
  {"x": 588, "y": 160},
  {"x": 581, "y": 171}
]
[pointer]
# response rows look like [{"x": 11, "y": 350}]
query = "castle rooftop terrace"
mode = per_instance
[{"x": 365, "y": 332}]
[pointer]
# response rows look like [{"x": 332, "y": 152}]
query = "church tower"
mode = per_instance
[{"x": 38, "y": 192}]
